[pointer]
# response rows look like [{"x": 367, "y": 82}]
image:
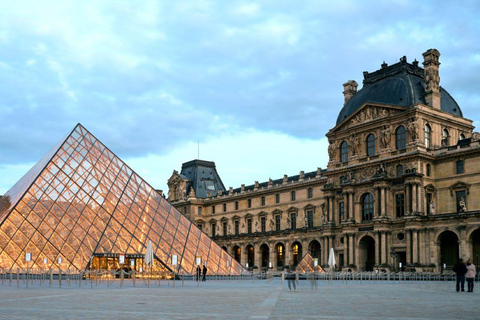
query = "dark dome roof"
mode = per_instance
[{"x": 401, "y": 84}]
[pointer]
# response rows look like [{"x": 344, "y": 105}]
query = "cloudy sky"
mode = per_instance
[{"x": 256, "y": 84}]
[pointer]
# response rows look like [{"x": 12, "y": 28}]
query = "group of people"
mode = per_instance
[
  {"x": 465, "y": 271},
  {"x": 202, "y": 272}
]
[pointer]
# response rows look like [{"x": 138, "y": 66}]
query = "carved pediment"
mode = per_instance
[
  {"x": 460, "y": 185},
  {"x": 368, "y": 112}
]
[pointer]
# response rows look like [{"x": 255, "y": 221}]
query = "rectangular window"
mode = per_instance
[
  {"x": 264, "y": 224},
  {"x": 460, "y": 166},
  {"x": 213, "y": 209},
  {"x": 249, "y": 226},
  {"x": 400, "y": 204},
  {"x": 277, "y": 222},
  {"x": 341, "y": 211},
  {"x": 237, "y": 227},
  {"x": 236, "y": 205},
  {"x": 249, "y": 202},
  {"x": 199, "y": 211},
  {"x": 310, "y": 193},
  {"x": 225, "y": 231},
  {"x": 310, "y": 218},
  {"x": 200, "y": 227},
  {"x": 293, "y": 220},
  {"x": 461, "y": 200},
  {"x": 214, "y": 229},
  {"x": 263, "y": 201},
  {"x": 294, "y": 196},
  {"x": 224, "y": 207},
  {"x": 277, "y": 198}
]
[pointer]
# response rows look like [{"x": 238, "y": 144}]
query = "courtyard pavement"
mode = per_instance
[{"x": 233, "y": 299}]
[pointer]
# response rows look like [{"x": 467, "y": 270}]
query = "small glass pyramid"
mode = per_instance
[
  {"x": 307, "y": 264},
  {"x": 81, "y": 201}
]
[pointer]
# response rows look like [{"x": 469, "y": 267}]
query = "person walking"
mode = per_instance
[
  {"x": 470, "y": 275},
  {"x": 198, "y": 273},
  {"x": 204, "y": 272},
  {"x": 460, "y": 269},
  {"x": 290, "y": 277}
]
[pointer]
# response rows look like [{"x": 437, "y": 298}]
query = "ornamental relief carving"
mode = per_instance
[{"x": 370, "y": 113}]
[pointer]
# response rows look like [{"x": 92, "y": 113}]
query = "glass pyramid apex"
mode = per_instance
[{"x": 81, "y": 200}]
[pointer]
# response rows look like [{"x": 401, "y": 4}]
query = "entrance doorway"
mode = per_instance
[
  {"x": 476, "y": 247},
  {"x": 366, "y": 255},
  {"x": 315, "y": 250},
  {"x": 448, "y": 249},
  {"x": 265, "y": 255},
  {"x": 296, "y": 253},
  {"x": 280, "y": 248},
  {"x": 237, "y": 253},
  {"x": 111, "y": 261},
  {"x": 250, "y": 256}
]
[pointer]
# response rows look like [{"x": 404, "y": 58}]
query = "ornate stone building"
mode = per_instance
[{"x": 401, "y": 185}]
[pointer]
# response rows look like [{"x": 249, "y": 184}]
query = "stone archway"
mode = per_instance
[
  {"x": 237, "y": 254},
  {"x": 449, "y": 253},
  {"x": 366, "y": 253},
  {"x": 297, "y": 253},
  {"x": 265, "y": 252},
  {"x": 280, "y": 254},
  {"x": 250, "y": 256},
  {"x": 315, "y": 249},
  {"x": 475, "y": 239}
]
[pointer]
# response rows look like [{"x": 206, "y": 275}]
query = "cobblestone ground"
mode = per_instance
[{"x": 238, "y": 300}]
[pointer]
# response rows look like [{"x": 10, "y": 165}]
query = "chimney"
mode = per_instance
[
  {"x": 349, "y": 89},
  {"x": 432, "y": 79}
]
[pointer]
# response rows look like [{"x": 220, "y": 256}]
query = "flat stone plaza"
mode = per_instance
[{"x": 234, "y": 299}]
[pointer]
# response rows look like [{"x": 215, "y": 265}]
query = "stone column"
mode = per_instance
[
  {"x": 414, "y": 197},
  {"x": 377, "y": 247},
  {"x": 384, "y": 201},
  {"x": 258, "y": 256},
  {"x": 409, "y": 246},
  {"x": 272, "y": 255},
  {"x": 384, "y": 247},
  {"x": 350, "y": 247},
  {"x": 288, "y": 254},
  {"x": 415, "y": 245},
  {"x": 407, "y": 199}
]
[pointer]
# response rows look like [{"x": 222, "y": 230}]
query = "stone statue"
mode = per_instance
[
  {"x": 463, "y": 205},
  {"x": 332, "y": 147},
  {"x": 475, "y": 136},
  {"x": 385, "y": 136},
  {"x": 354, "y": 144},
  {"x": 432, "y": 207},
  {"x": 412, "y": 128}
]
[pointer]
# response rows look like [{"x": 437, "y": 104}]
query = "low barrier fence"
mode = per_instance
[{"x": 58, "y": 278}]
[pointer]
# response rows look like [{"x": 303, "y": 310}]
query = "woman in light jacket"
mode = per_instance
[{"x": 470, "y": 275}]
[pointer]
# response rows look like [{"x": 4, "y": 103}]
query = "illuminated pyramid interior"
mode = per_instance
[
  {"x": 81, "y": 202},
  {"x": 307, "y": 264}
]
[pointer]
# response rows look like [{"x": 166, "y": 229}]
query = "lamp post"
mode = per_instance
[{"x": 393, "y": 254}]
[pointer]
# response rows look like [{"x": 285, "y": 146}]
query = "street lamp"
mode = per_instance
[{"x": 393, "y": 254}]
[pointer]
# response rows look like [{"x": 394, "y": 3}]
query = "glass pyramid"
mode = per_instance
[
  {"x": 307, "y": 264},
  {"x": 81, "y": 200}
]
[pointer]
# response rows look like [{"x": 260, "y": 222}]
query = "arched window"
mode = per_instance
[
  {"x": 371, "y": 145},
  {"x": 399, "y": 170},
  {"x": 445, "y": 137},
  {"x": 401, "y": 138},
  {"x": 462, "y": 136},
  {"x": 367, "y": 207},
  {"x": 344, "y": 152},
  {"x": 428, "y": 136}
]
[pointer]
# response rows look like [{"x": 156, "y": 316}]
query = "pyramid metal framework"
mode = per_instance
[
  {"x": 80, "y": 200},
  {"x": 307, "y": 264}
]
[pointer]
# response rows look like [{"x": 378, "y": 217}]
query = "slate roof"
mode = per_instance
[
  {"x": 401, "y": 84},
  {"x": 203, "y": 177}
]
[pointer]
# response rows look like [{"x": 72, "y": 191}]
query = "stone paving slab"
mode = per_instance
[{"x": 240, "y": 300}]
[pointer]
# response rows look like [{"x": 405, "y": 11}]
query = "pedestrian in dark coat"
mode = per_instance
[
  {"x": 460, "y": 269},
  {"x": 199, "y": 271},
  {"x": 204, "y": 272}
]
